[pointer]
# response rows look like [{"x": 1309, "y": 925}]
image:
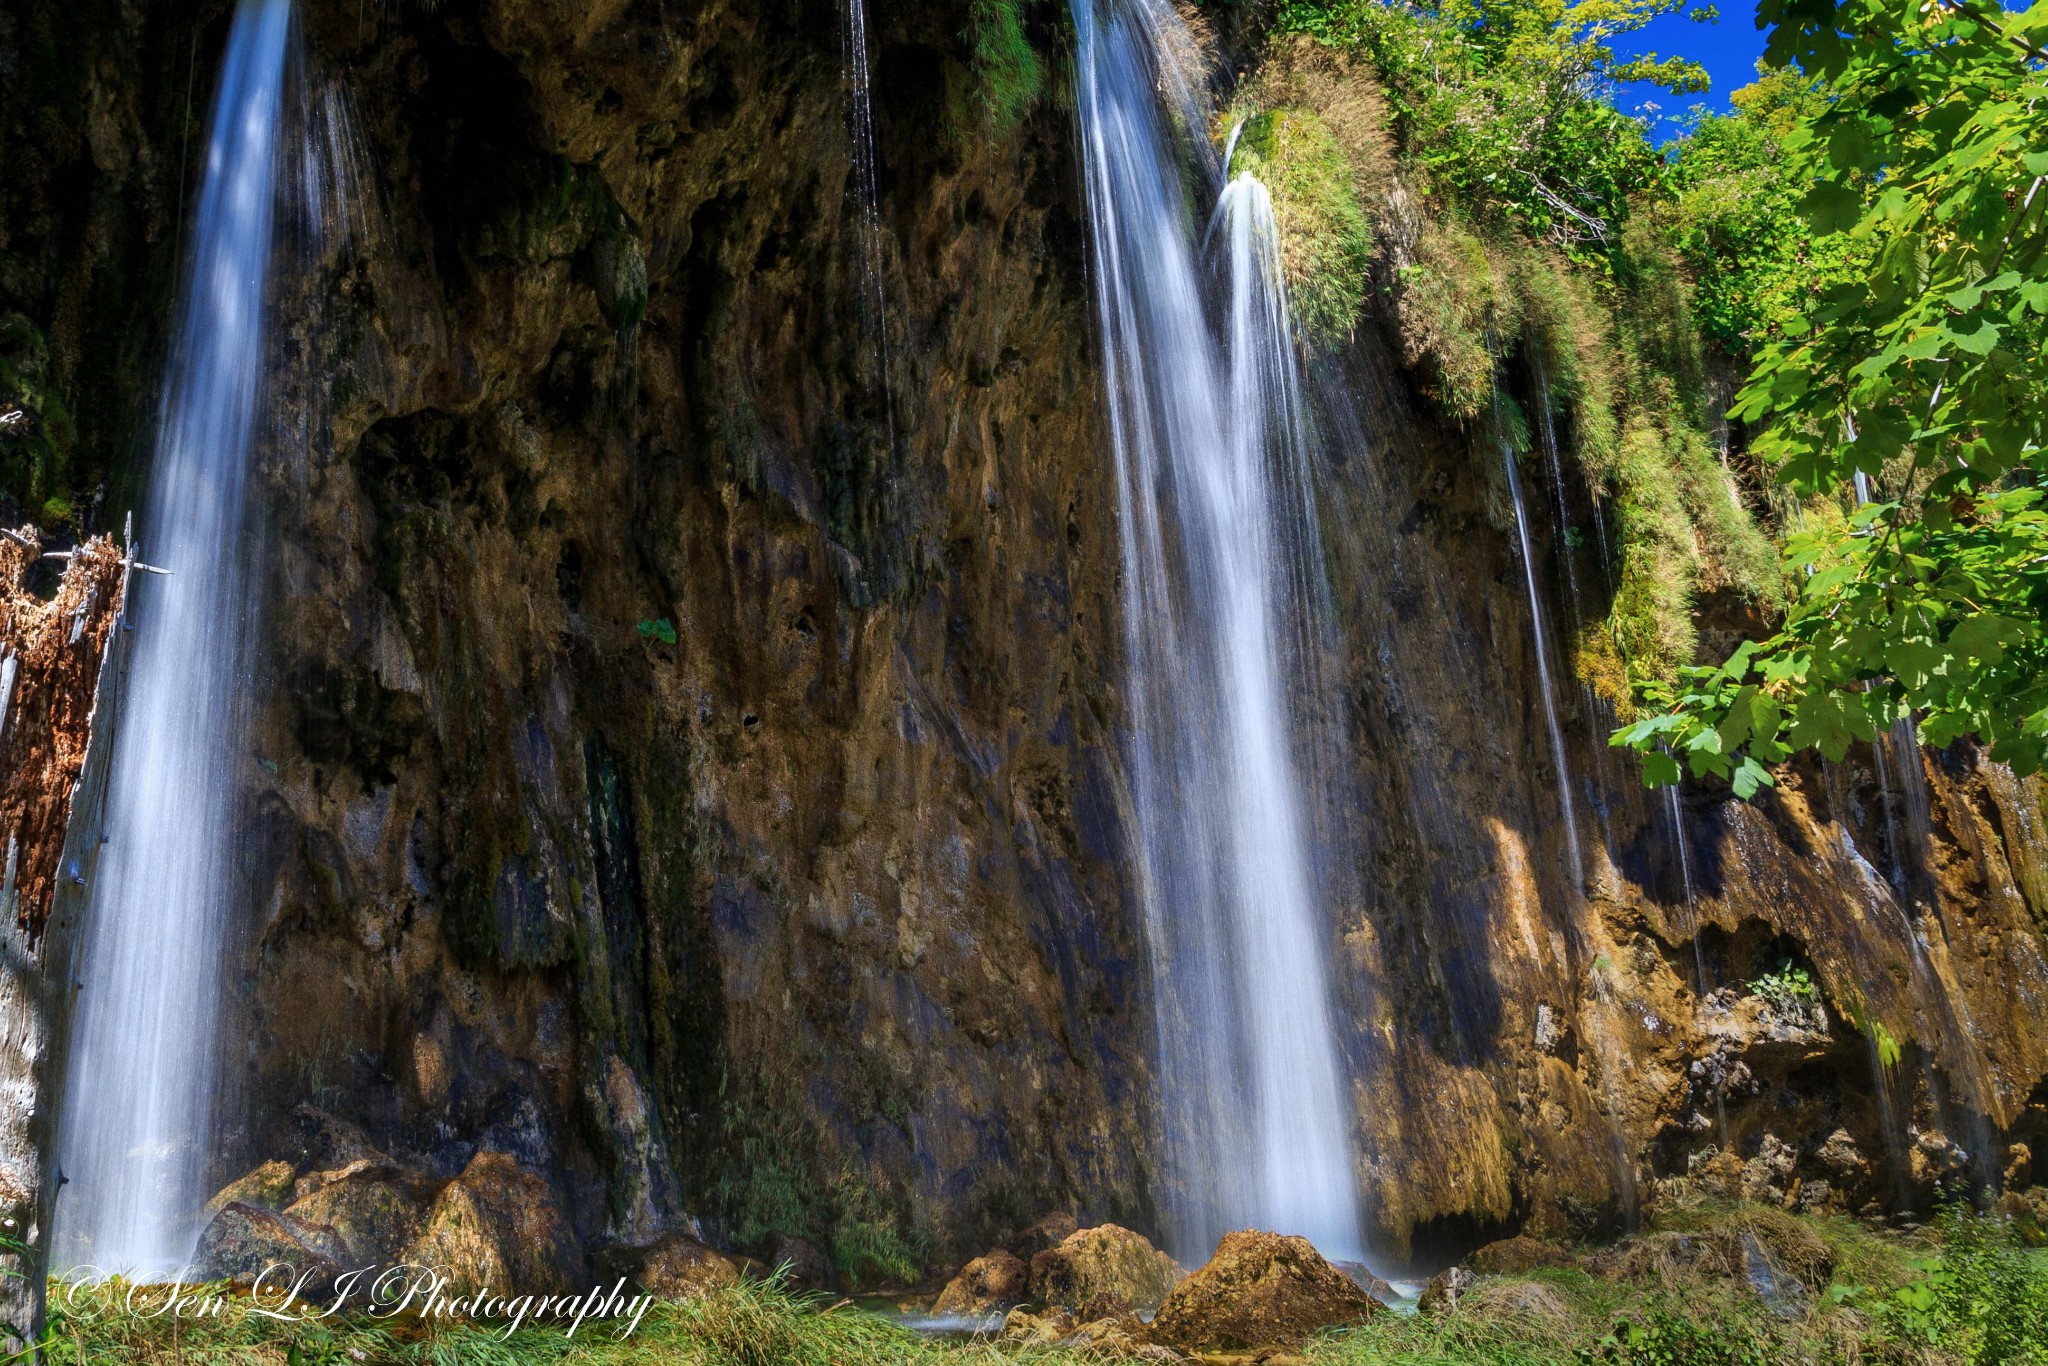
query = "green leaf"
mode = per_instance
[
  {"x": 1832, "y": 207},
  {"x": 1748, "y": 777}
]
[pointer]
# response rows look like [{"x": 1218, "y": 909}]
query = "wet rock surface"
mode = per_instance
[
  {"x": 1259, "y": 1290},
  {"x": 248, "y": 1245}
]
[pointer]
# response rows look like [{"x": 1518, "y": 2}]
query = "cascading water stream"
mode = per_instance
[
  {"x": 135, "y": 1132},
  {"x": 1218, "y": 549},
  {"x": 857, "y": 77},
  {"x": 1573, "y": 854}
]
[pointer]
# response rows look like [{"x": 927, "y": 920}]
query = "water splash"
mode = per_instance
[
  {"x": 1222, "y": 614},
  {"x": 135, "y": 1132}
]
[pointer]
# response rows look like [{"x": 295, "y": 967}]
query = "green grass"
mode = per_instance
[
  {"x": 1969, "y": 1295},
  {"x": 1009, "y": 75}
]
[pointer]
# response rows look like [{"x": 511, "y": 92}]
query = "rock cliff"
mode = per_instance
[{"x": 687, "y": 758}]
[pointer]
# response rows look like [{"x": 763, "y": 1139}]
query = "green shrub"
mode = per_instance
[{"x": 1009, "y": 75}]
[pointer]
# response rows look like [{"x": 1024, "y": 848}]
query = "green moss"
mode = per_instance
[
  {"x": 1009, "y": 75},
  {"x": 1325, "y": 243}
]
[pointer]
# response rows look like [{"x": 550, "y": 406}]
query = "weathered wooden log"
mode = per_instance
[{"x": 64, "y": 658}]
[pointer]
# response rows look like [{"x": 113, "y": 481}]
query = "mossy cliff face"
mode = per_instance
[{"x": 690, "y": 766}]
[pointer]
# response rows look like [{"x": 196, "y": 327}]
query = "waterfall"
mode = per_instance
[
  {"x": 1568, "y": 807},
  {"x": 134, "y": 1139},
  {"x": 867, "y": 190},
  {"x": 1221, "y": 614}
]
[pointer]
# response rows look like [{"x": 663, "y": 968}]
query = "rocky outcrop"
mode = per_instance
[
  {"x": 675, "y": 1267},
  {"x": 376, "y": 1209},
  {"x": 1259, "y": 1290},
  {"x": 1106, "y": 1265},
  {"x": 498, "y": 1225},
  {"x": 995, "y": 1280},
  {"x": 251, "y": 1246}
]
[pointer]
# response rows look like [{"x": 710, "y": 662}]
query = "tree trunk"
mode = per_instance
[{"x": 61, "y": 669}]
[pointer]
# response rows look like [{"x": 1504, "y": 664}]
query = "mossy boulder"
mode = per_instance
[
  {"x": 499, "y": 1224},
  {"x": 1259, "y": 1290},
  {"x": 375, "y": 1208},
  {"x": 992, "y": 1281},
  {"x": 1107, "y": 1262}
]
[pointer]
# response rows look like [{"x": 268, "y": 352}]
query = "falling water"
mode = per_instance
[
  {"x": 1676, "y": 815},
  {"x": 1218, "y": 551},
  {"x": 1557, "y": 750},
  {"x": 135, "y": 1134},
  {"x": 860, "y": 123}
]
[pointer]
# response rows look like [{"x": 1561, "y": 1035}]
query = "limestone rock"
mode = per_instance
[
  {"x": 268, "y": 1187},
  {"x": 373, "y": 1207},
  {"x": 678, "y": 1267},
  {"x": 992, "y": 1281},
  {"x": 1767, "y": 1177},
  {"x": 1108, "y": 1260},
  {"x": 498, "y": 1225},
  {"x": 245, "y": 1243},
  {"x": 1840, "y": 1155},
  {"x": 1033, "y": 1239},
  {"x": 1444, "y": 1290},
  {"x": 1044, "y": 1329},
  {"x": 1259, "y": 1290},
  {"x": 1518, "y": 1255}
]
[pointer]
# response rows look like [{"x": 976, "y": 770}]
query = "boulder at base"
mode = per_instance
[
  {"x": 498, "y": 1225},
  {"x": 1259, "y": 1290},
  {"x": 992, "y": 1281},
  {"x": 268, "y": 1187},
  {"x": 245, "y": 1244},
  {"x": 1108, "y": 1261},
  {"x": 802, "y": 1262},
  {"x": 674, "y": 1266},
  {"x": 377, "y": 1209}
]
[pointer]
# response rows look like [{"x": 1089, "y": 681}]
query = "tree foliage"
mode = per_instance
[
  {"x": 1500, "y": 100},
  {"x": 1913, "y": 378}
]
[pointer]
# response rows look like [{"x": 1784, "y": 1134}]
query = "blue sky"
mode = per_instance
[{"x": 1728, "y": 49}]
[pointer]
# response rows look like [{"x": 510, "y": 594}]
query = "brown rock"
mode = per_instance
[
  {"x": 245, "y": 1244},
  {"x": 499, "y": 1225},
  {"x": 803, "y": 1262},
  {"x": 1107, "y": 1260},
  {"x": 373, "y": 1207},
  {"x": 1259, "y": 1290},
  {"x": 995, "y": 1280},
  {"x": 268, "y": 1187},
  {"x": 1444, "y": 1290},
  {"x": 1033, "y": 1239},
  {"x": 1039, "y": 1330},
  {"x": 1518, "y": 1255},
  {"x": 678, "y": 1267}
]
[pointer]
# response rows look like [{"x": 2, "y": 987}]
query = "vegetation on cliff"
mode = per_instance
[
  {"x": 1862, "y": 234},
  {"x": 1914, "y": 375}
]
